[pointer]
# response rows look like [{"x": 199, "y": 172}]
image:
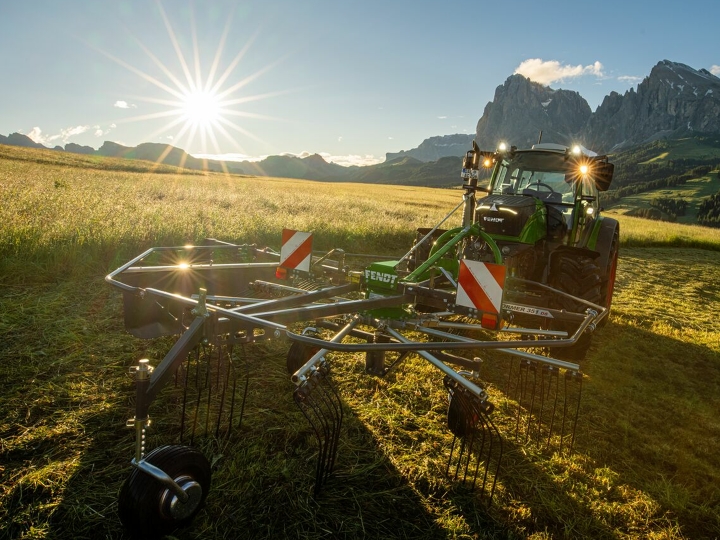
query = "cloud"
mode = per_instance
[
  {"x": 352, "y": 159},
  {"x": 37, "y": 135},
  {"x": 715, "y": 70},
  {"x": 630, "y": 79},
  {"x": 120, "y": 104},
  {"x": 442, "y": 117},
  {"x": 340, "y": 138},
  {"x": 550, "y": 71},
  {"x": 99, "y": 133},
  {"x": 66, "y": 133}
]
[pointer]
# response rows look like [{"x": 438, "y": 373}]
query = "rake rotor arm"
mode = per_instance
[
  {"x": 472, "y": 387},
  {"x": 522, "y": 354},
  {"x": 301, "y": 374}
]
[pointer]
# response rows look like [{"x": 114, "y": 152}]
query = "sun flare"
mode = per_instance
[
  {"x": 201, "y": 108},
  {"x": 201, "y": 99}
]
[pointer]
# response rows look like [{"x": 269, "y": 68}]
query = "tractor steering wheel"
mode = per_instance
[{"x": 542, "y": 184}]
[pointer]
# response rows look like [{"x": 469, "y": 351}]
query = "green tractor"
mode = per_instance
[{"x": 541, "y": 219}]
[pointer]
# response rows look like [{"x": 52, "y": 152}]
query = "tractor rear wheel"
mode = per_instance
[
  {"x": 580, "y": 276},
  {"x": 610, "y": 258}
]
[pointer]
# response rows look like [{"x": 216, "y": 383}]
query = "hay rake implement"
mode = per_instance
[{"x": 466, "y": 301}]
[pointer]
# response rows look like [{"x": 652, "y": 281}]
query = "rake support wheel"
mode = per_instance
[{"x": 149, "y": 509}]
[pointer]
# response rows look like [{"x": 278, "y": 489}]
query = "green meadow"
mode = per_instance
[
  {"x": 693, "y": 191},
  {"x": 645, "y": 461}
]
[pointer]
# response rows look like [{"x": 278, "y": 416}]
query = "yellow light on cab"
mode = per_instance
[
  {"x": 584, "y": 169},
  {"x": 487, "y": 163}
]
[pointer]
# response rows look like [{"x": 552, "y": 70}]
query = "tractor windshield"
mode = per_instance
[{"x": 547, "y": 176}]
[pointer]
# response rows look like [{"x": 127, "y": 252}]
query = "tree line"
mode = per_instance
[{"x": 709, "y": 211}]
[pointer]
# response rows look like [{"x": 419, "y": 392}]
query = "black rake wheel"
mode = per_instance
[
  {"x": 298, "y": 355},
  {"x": 149, "y": 509}
]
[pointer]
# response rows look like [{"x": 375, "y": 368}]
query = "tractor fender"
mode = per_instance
[{"x": 602, "y": 237}]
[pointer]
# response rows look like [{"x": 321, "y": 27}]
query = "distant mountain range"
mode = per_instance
[{"x": 674, "y": 101}]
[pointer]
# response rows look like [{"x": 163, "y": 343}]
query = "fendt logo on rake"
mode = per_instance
[{"x": 502, "y": 317}]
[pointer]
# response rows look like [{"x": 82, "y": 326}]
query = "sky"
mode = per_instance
[{"x": 349, "y": 80}]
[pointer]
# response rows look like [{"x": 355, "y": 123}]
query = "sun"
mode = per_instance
[
  {"x": 200, "y": 97},
  {"x": 202, "y": 108}
]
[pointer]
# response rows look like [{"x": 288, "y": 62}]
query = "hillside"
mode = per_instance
[{"x": 666, "y": 180}]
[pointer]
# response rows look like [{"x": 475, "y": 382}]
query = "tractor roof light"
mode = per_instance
[
  {"x": 502, "y": 147},
  {"x": 584, "y": 169}
]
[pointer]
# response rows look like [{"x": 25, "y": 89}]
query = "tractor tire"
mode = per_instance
[
  {"x": 148, "y": 509},
  {"x": 580, "y": 276},
  {"x": 608, "y": 246}
]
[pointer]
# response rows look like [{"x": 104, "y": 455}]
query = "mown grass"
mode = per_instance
[{"x": 645, "y": 465}]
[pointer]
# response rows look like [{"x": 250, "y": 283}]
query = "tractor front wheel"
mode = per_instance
[
  {"x": 149, "y": 509},
  {"x": 579, "y": 276}
]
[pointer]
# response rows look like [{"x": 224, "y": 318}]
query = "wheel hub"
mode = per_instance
[{"x": 173, "y": 507}]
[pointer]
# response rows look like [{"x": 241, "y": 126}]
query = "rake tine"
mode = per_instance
[
  {"x": 477, "y": 414},
  {"x": 576, "y": 378},
  {"x": 324, "y": 408},
  {"x": 320, "y": 403},
  {"x": 247, "y": 384},
  {"x": 221, "y": 383},
  {"x": 469, "y": 421},
  {"x": 543, "y": 370},
  {"x": 521, "y": 393},
  {"x": 334, "y": 399},
  {"x": 198, "y": 355},
  {"x": 579, "y": 378},
  {"x": 499, "y": 458},
  {"x": 554, "y": 377},
  {"x": 301, "y": 397},
  {"x": 185, "y": 393},
  {"x": 532, "y": 368}
]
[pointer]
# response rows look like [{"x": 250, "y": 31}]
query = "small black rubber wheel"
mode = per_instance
[
  {"x": 298, "y": 355},
  {"x": 148, "y": 509},
  {"x": 461, "y": 418},
  {"x": 579, "y": 276}
]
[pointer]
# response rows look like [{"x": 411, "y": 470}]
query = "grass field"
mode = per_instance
[{"x": 645, "y": 464}]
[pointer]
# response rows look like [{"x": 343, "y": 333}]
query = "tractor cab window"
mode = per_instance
[{"x": 544, "y": 179}]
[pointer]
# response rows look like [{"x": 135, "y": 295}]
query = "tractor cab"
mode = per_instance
[{"x": 548, "y": 191}]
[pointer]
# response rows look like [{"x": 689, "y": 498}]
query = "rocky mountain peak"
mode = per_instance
[
  {"x": 674, "y": 101},
  {"x": 434, "y": 148},
  {"x": 521, "y": 109}
]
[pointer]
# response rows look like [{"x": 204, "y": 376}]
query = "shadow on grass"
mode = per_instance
[
  {"x": 644, "y": 464},
  {"x": 263, "y": 476},
  {"x": 650, "y": 417}
]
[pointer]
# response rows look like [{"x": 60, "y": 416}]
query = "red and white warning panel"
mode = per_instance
[
  {"x": 480, "y": 287},
  {"x": 296, "y": 250}
]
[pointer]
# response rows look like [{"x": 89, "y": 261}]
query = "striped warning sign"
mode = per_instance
[
  {"x": 296, "y": 250},
  {"x": 480, "y": 286}
]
